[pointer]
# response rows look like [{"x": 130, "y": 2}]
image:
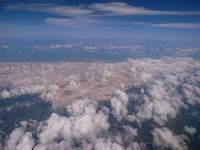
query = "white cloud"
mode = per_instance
[
  {"x": 20, "y": 140},
  {"x": 52, "y": 9},
  {"x": 120, "y": 8},
  {"x": 164, "y": 139},
  {"x": 159, "y": 98},
  {"x": 178, "y": 25},
  {"x": 5, "y": 94},
  {"x": 112, "y": 8},
  {"x": 190, "y": 130},
  {"x": 92, "y": 15},
  {"x": 119, "y": 104},
  {"x": 47, "y": 92},
  {"x": 136, "y": 146},
  {"x": 103, "y": 144},
  {"x": 159, "y": 89},
  {"x": 84, "y": 123},
  {"x": 70, "y": 11}
]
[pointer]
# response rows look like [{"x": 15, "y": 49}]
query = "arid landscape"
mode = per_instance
[{"x": 65, "y": 82}]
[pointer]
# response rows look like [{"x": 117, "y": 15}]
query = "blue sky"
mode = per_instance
[{"x": 177, "y": 20}]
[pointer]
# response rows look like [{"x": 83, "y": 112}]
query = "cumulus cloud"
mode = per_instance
[
  {"x": 102, "y": 144},
  {"x": 190, "y": 130},
  {"x": 164, "y": 139},
  {"x": 5, "y": 94},
  {"x": 87, "y": 127},
  {"x": 119, "y": 104},
  {"x": 46, "y": 92},
  {"x": 84, "y": 124},
  {"x": 20, "y": 140},
  {"x": 158, "y": 105},
  {"x": 158, "y": 91}
]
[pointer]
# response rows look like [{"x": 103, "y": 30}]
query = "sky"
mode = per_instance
[{"x": 175, "y": 20}]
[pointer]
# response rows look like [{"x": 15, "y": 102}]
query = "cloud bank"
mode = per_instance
[{"x": 158, "y": 91}]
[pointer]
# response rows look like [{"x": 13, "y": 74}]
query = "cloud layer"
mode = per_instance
[
  {"x": 112, "y": 8},
  {"x": 125, "y": 9},
  {"x": 158, "y": 91},
  {"x": 95, "y": 14}
]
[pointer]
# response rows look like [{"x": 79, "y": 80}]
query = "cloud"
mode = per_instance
[
  {"x": 75, "y": 22},
  {"x": 87, "y": 127},
  {"x": 178, "y": 25},
  {"x": 164, "y": 139},
  {"x": 87, "y": 22},
  {"x": 64, "y": 22},
  {"x": 190, "y": 130},
  {"x": 20, "y": 140},
  {"x": 159, "y": 89},
  {"x": 91, "y": 22},
  {"x": 156, "y": 96},
  {"x": 96, "y": 9},
  {"x": 102, "y": 144},
  {"x": 47, "y": 92},
  {"x": 120, "y": 8},
  {"x": 70, "y": 11},
  {"x": 94, "y": 14},
  {"x": 5, "y": 94},
  {"x": 29, "y": 7},
  {"x": 84, "y": 123},
  {"x": 119, "y": 103},
  {"x": 52, "y": 9}
]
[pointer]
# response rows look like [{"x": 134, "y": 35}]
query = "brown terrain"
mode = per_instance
[{"x": 64, "y": 82}]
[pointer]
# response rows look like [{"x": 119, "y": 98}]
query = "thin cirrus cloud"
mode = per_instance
[
  {"x": 107, "y": 9},
  {"x": 66, "y": 22},
  {"x": 178, "y": 25},
  {"x": 125, "y": 9},
  {"x": 77, "y": 23},
  {"x": 52, "y": 9},
  {"x": 70, "y": 11},
  {"x": 93, "y": 14},
  {"x": 85, "y": 22}
]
